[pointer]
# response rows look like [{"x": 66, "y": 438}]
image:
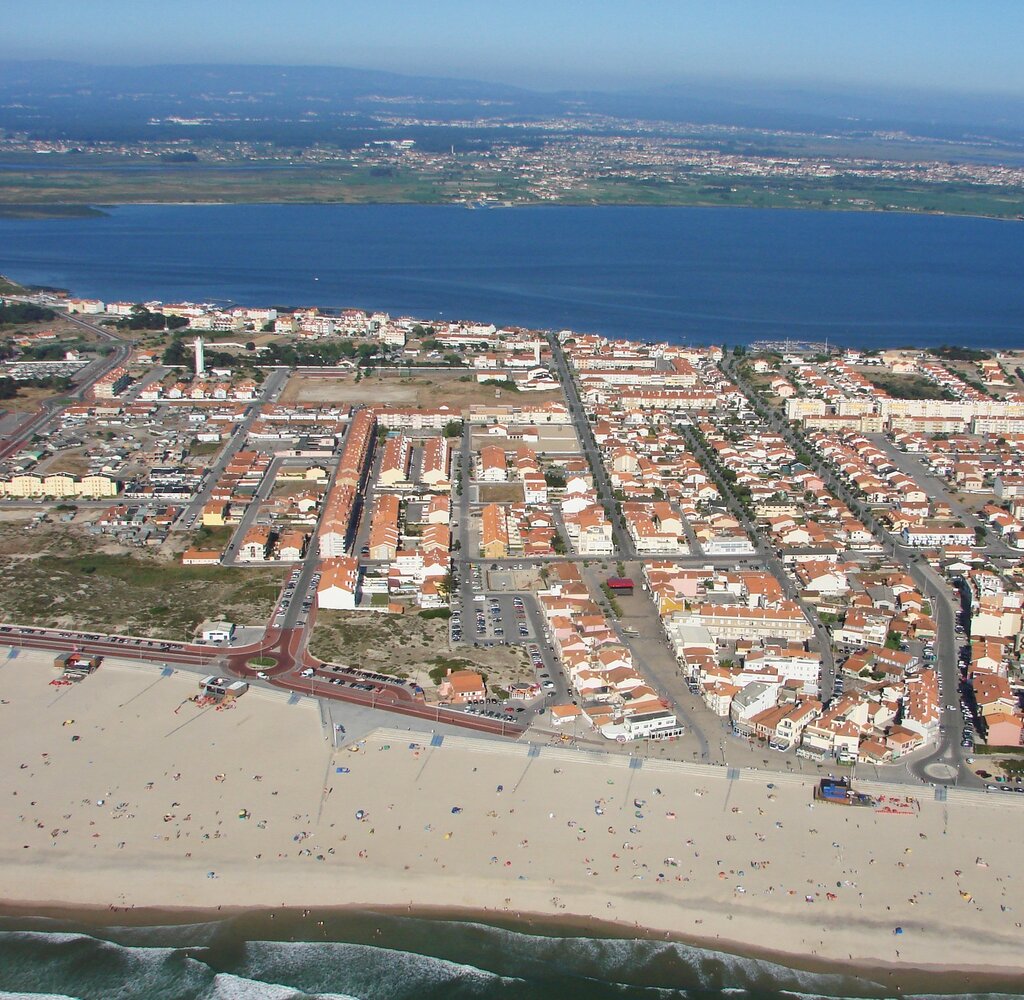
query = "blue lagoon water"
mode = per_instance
[{"x": 683, "y": 274}]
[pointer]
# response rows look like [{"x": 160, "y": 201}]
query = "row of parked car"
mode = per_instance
[
  {"x": 289, "y": 595},
  {"x": 95, "y": 637},
  {"x": 491, "y": 713}
]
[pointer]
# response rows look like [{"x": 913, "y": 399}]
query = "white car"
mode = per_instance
[{"x": 263, "y": 675}]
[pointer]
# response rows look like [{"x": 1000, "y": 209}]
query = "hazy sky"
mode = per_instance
[{"x": 970, "y": 45}]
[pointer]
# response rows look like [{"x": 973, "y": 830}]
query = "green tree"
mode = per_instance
[
  {"x": 445, "y": 586},
  {"x": 175, "y": 353},
  {"x": 24, "y": 312}
]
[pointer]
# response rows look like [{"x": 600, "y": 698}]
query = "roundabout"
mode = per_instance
[{"x": 939, "y": 771}]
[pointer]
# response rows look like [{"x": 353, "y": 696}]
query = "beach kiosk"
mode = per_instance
[
  {"x": 76, "y": 666},
  {"x": 222, "y": 689}
]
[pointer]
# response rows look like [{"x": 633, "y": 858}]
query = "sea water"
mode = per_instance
[
  {"x": 714, "y": 275},
  {"x": 386, "y": 957}
]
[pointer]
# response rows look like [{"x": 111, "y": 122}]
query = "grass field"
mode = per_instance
[
  {"x": 853, "y": 196},
  {"x": 37, "y": 193},
  {"x": 907, "y": 386},
  {"x": 206, "y": 537},
  {"x": 8, "y": 287},
  {"x": 36, "y": 189},
  {"x": 203, "y": 449}
]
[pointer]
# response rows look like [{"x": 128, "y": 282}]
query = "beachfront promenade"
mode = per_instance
[
  {"x": 555, "y": 754},
  {"x": 286, "y": 647}
]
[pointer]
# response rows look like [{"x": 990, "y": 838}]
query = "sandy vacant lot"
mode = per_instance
[
  {"x": 408, "y": 645},
  {"x": 554, "y": 440},
  {"x": 56, "y": 576},
  {"x": 428, "y": 390},
  {"x": 500, "y": 492}
]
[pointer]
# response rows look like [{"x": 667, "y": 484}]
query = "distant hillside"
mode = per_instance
[{"x": 298, "y": 105}]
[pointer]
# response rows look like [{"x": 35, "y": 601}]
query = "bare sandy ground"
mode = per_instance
[
  {"x": 144, "y": 810},
  {"x": 427, "y": 389}
]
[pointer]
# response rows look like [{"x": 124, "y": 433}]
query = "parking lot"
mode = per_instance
[{"x": 492, "y": 619}]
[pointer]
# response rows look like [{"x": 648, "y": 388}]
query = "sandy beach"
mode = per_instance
[{"x": 159, "y": 804}]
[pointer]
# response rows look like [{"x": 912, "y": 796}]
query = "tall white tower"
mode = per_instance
[{"x": 200, "y": 358}]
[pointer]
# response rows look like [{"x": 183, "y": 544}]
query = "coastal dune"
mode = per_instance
[{"x": 160, "y": 804}]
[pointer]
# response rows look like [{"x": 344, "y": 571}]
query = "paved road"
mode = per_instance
[
  {"x": 86, "y": 378},
  {"x": 722, "y": 562},
  {"x": 655, "y": 660},
  {"x": 251, "y": 514},
  {"x": 938, "y": 489},
  {"x": 770, "y": 560},
  {"x": 271, "y": 387},
  {"x": 285, "y": 645},
  {"x": 624, "y": 548},
  {"x": 945, "y": 763},
  {"x": 155, "y": 374},
  {"x": 463, "y": 460}
]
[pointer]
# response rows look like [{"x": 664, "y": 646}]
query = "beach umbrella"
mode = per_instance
[{"x": 898, "y": 930}]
